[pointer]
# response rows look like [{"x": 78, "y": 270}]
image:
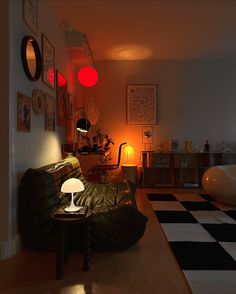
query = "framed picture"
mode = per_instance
[
  {"x": 70, "y": 106},
  {"x": 174, "y": 145},
  {"x": 38, "y": 102},
  {"x": 50, "y": 113},
  {"x": 30, "y": 14},
  {"x": 147, "y": 135},
  {"x": 141, "y": 104},
  {"x": 48, "y": 54},
  {"x": 23, "y": 112},
  {"x": 62, "y": 100}
]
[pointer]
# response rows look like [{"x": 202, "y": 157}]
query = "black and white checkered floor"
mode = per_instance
[{"x": 202, "y": 234}]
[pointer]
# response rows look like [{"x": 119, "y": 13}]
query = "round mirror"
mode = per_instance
[{"x": 31, "y": 58}]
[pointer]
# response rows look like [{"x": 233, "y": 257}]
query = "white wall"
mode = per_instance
[
  {"x": 4, "y": 130},
  {"x": 38, "y": 147},
  {"x": 43, "y": 147},
  {"x": 196, "y": 100}
]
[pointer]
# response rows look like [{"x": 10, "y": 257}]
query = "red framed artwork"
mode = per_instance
[{"x": 62, "y": 100}]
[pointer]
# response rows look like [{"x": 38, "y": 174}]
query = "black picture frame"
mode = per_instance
[{"x": 38, "y": 59}]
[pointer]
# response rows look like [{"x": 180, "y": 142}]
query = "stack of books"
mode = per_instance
[{"x": 60, "y": 212}]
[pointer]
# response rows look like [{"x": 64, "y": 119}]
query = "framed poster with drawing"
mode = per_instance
[
  {"x": 23, "y": 112},
  {"x": 62, "y": 100},
  {"x": 70, "y": 106},
  {"x": 48, "y": 51},
  {"x": 141, "y": 104},
  {"x": 30, "y": 14},
  {"x": 50, "y": 113}
]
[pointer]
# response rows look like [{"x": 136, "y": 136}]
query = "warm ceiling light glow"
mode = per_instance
[
  {"x": 87, "y": 76},
  {"x": 61, "y": 81},
  {"x": 130, "y": 53}
]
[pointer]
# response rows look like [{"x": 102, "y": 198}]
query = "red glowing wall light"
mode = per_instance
[
  {"x": 87, "y": 76},
  {"x": 61, "y": 81}
]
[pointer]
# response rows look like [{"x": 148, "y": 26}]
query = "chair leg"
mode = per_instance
[{"x": 104, "y": 176}]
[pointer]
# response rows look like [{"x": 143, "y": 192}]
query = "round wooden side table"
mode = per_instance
[{"x": 63, "y": 220}]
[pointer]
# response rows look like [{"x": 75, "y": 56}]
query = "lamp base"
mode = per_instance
[{"x": 73, "y": 208}]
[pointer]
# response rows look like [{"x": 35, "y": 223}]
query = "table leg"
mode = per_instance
[
  {"x": 66, "y": 243},
  {"x": 60, "y": 250},
  {"x": 87, "y": 249}
]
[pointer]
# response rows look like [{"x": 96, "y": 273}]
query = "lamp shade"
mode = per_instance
[
  {"x": 72, "y": 185},
  {"x": 87, "y": 76},
  {"x": 129, "y": 153},
  {"x": 83, "y": 125}
]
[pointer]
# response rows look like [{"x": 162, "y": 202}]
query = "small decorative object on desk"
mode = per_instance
[
  {"x": 174, "y": 145},
  {"x": 101, "y": 140},
  {"x": 206, "y": 146},
  {"x": 226, "y": 146},
  {"x": 60, "y": 212},
  {"x": 188, "y": 146}
]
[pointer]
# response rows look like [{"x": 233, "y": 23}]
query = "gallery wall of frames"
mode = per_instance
[{"x": 38, "y": 61}]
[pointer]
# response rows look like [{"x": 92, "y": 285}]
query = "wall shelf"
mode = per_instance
[{"x": 172, "y": 169}]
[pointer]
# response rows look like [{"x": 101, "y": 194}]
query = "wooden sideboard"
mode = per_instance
[{"x": 179, "y": 169}]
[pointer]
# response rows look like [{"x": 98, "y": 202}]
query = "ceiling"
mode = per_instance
[{"x": 153, "y": 30}]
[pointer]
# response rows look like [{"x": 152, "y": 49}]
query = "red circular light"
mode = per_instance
[{"x": 87, "y": 76}]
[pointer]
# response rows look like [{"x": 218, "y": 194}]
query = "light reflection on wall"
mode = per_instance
[
  {"x": 49, "y": 155},
  {"x": 130, "y": 134},
  {"x": 130, "y": 52}
]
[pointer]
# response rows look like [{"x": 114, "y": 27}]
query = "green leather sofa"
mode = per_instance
[{"x": 116, "y": 224}]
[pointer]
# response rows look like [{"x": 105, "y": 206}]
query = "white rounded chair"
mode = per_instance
[{"x": 220, "y": 183}]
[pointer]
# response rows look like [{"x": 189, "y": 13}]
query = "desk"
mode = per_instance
[
  {"x": 88, "y": 160},
  {"x": 103, "y": 155}
]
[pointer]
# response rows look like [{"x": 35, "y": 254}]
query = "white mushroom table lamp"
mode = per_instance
[{"x": 72, "y": 186}]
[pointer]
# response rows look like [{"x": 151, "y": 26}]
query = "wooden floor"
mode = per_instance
[{"x": 147, "y": 267}]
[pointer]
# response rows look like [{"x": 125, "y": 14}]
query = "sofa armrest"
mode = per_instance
[{"x": 117, "y": 228}]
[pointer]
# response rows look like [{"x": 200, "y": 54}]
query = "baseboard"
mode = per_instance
[
  {"x": 16, "y": 245},
  {"x": 3, "y": 250}
]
